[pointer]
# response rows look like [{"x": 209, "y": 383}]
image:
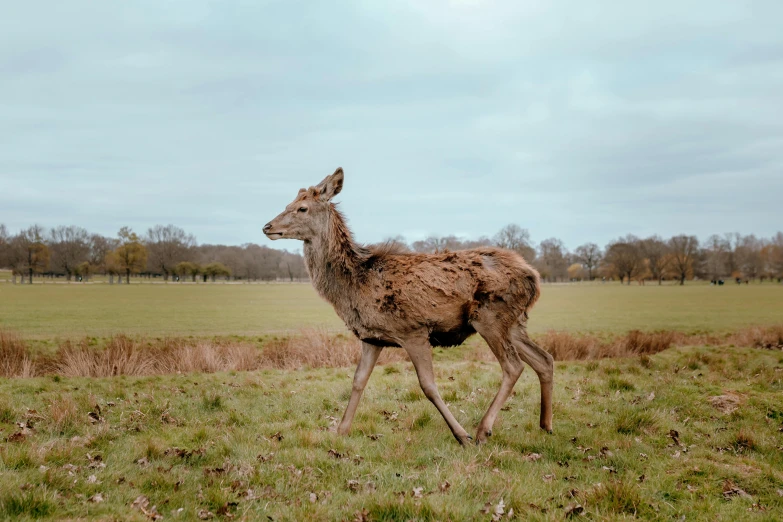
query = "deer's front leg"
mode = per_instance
[
  {"x": 370, "y": 355},
  {"x": 420, "y": 353}
]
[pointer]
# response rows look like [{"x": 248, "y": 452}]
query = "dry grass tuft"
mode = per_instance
[
  {"x": 565, "y": 346},
  {"x": 318, "y": 349},
  {"x": 727, "y": 403},
  {"x": 314, "y": 348},
  {"x": 15, "y": 361}
]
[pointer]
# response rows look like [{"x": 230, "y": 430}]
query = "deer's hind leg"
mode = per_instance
[
  {"x": 512, "y": 367},
  {"x": 542, "y": 363}
]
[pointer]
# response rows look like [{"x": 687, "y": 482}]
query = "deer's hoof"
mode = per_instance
[{"x": 465, "y": 440}]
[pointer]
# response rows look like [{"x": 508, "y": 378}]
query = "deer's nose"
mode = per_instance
[{"x": 267, "y": 227}]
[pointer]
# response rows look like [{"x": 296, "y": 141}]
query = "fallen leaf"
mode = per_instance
[
  {"x": 361, "y": 516},
  {"x": 335, "y": 454},
  {"x": 549, "y": 478},
  {"x": 203, "y": 514},
  {"x": 500, "y": 510},
  {"x": 446, "y": 485},
  {"x": 651, "y": 396},
  {"x": 265, "y": 458},
  {"x": 780, "y": 492},
  {"x": 96, "y": 498},
  {"x": 531, "y": 457},
  {"x": 277, "y": 436},
  {"x": 353, "y": 485},
  {"x": 675, "y": 435},
  {"x": 141, "y": 503},
  {"x": 92, "y": 479},
  {"x": 609, "y": 469},
  {"x": 574, "y": 510},
  {"x": 417, "y": 492},
  {"x": 731, "y": 490},
  {"x": 676, "y": 455}
]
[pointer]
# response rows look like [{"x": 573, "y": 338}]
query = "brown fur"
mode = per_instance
[{"x": 393, "y": 298}]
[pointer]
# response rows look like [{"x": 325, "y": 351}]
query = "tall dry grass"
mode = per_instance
[{"x": 313, "y": 348}]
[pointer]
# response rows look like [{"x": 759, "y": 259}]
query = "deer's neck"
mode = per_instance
[{"x": 333, "y": 260}]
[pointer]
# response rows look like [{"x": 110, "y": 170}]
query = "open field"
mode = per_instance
[
  {"x": 256, "y": 445},
  {"x": 61, "y": 310},
  {"x": 691, "y": 431}
]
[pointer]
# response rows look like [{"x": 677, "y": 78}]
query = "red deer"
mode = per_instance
[{"x": 392, "y": 298}]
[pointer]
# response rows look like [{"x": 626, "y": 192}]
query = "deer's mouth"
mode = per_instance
[{"x": 273, "y": 235}]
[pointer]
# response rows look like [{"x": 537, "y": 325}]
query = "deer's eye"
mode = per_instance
[{"x": 302, "y": 209}]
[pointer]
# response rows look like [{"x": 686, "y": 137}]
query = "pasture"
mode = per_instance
[
  {"x": 694, "y": 431},
  {"x": 48, "y": 311}
]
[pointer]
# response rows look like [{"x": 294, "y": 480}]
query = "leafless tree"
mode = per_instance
[
  {"x": 552, "y": 260},
  {"x": 167, "y": 246},
  {"x": 716, "y": 253},
  {"x": 513, "y": 237},
  {"x": 776, "y": 261},
  {"x": 623, "y": 257},
  {"x": 656, "y": 252},
  {"x": 29, "y": 253},
  {"x": 100, "y": 247},
  {"x": 70, "y": 247},
  {"x": 4, "y": 245},
  {"x": 684, "y": 250},
  {"x": 749, "y": 256},
  {"x": 589, "y": 256}
]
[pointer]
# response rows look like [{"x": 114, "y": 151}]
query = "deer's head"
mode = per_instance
[{"x": 307, "y": 216}]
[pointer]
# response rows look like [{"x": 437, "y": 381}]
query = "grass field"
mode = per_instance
[
  {"x": 61, "y": 310},
  {"x": 256, "y": 445},
  {"x": 692, "y": 431}
]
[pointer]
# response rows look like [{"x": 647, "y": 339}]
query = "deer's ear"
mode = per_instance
[{"x": 331, "y": 185}]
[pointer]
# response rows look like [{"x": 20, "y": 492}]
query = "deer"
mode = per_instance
[{"x": 389, "y": 297}]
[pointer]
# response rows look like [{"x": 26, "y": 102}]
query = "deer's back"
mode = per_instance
[{"x": 401, "y": 293}]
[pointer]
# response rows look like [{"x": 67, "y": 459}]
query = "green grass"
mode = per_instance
[
  {"x": 256, "y": 444},
  {"x": 62, "y": 310}
]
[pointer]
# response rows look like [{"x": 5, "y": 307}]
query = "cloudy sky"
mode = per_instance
[{"x": 579, "y": 120}]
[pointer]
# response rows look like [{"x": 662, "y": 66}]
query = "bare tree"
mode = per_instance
[
  {"x": 684, "y": 250},
  {"x": 29, "y": 253},
  {"x": 4, "y": 245},
  {"x": 623, "y": 257},
  {"x": 716, "y": 254},
  {"x": 100, "y": 247},
  {"x": 777, "y": 255},
  {"x": 513, "y": 237},
  {"x": 70, "y": 248},
  {"x": 656, "y": 252},
  {"x": 167, "y": 246},
  {"x": 589, "y": 256},
  {"x": 552, "y": 262}
]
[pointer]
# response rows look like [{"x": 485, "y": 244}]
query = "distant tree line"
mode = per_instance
[
  {"x": 168, "y": 252},
  {"x": 630, "y": 258},
  {"x": 165, "y": 252}
]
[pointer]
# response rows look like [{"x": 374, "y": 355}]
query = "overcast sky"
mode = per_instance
[{"x": 579, "y": 120}]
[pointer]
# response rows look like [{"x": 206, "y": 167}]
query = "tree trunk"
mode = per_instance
[
  {"x": 111, "y": 279},
  {"x": 682, "y": 279},
  {"x": 127, "y": 276}
]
